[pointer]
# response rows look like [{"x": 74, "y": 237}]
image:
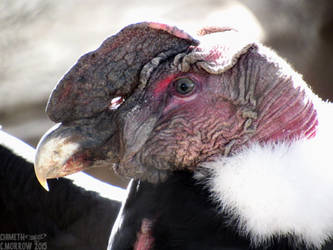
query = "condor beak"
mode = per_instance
[
  {"x": 66, "y": 150},
  {"x": 53, "y": 151}
]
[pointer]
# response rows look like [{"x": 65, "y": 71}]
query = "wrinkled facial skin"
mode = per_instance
[
  {"x": 222, "y": 113},
  {"x": 183, "y": 106},
  {"x": 189, "y": 129}
]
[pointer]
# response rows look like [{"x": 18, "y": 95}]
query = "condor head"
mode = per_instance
[{"x": 152, "y": 99}]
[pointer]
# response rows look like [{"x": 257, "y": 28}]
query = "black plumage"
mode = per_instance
[{"x": 185, "y": 217}]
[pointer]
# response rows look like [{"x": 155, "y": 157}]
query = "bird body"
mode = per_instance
[{"x": 227, "y": 145}]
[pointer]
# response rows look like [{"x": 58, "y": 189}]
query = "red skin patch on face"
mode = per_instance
[
  {"x": 163, "y": 85},
  {"x": 289, "y": 120}
]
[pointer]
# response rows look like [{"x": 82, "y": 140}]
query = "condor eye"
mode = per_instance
[{"x": 184, "y": 86}]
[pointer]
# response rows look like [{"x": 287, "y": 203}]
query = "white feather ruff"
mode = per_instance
[{"x": 280, "y": 190}]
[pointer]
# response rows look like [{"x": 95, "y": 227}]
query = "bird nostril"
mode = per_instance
[{"x": 116, "y": 102}]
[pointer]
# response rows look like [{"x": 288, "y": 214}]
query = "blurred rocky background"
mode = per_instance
[{"x": 41, "y": 39}]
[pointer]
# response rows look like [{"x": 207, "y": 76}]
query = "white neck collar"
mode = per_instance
[{"x": 280, "y": 190}]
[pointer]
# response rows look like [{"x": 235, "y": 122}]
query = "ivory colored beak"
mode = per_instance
[
  {"x": 53, "y": 152},
  {"x": 42, "y": 180}
]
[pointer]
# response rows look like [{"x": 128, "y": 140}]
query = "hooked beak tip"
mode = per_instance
[
  {"x": 41, "y": 179},
  {"x": 44, "y": 184}
]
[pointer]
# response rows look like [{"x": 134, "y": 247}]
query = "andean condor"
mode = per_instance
[
  {"x": 227, "y": 146},
  {"x": 76, "y": 214}
]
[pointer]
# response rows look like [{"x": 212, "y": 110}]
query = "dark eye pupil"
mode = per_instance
[{"x": 184, "y": 86}]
